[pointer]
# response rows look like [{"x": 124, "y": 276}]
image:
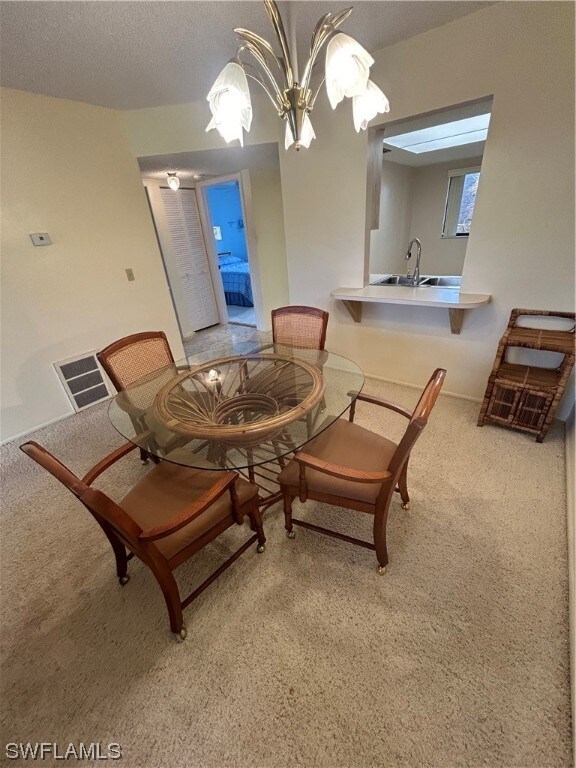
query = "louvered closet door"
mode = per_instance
[{"x": 190, "y": 260}]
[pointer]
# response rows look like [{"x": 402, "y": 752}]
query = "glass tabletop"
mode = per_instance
[{"x": 238, "y": 405}]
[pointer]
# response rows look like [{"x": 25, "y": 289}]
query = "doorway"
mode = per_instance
[
  {"x": 225, "y": 213},
  {"x": 179, "y": 231}
]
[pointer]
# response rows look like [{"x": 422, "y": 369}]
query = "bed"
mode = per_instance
[{"x": 235, "y": 274}]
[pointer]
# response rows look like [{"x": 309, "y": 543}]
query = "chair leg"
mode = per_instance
[
  {"x": 287, "y": 499},
  {"x": 403, "y": 486},
  {"x": 169, "y": 588},
  {"x": 278, "y": 451},
  {"x": 251, "y": 473},
  {"x": 256, "y": 520},
  {"x": 380, "y": 543},
  {"x": 122, "y": 566},
  {"x": 119, "y": 554}
]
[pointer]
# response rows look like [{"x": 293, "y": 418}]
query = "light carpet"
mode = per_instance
[{"x": 303, "y": 656}]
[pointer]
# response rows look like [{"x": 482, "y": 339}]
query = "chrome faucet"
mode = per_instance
[{"x": 416, "y": 276}]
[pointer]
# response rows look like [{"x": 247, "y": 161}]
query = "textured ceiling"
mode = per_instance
[
  {"x": 212, "y": 162},
  {"x": 129, "y": 55}
]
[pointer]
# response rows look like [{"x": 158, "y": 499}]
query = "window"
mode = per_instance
[{"x": 460, "y": 201}]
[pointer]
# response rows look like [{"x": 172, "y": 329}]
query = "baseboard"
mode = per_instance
[
  {"x": 28, "y": 432},
  {"x": 31, "y": 431},
  {"x": 419, "y": 387}
]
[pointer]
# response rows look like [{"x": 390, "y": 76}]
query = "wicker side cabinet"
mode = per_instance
[{"x": 526, "y": 397}]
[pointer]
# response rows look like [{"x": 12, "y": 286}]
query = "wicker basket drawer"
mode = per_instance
[
  {"x": 503, "y": 403},
  {"x": 523, "y": 408},
  {"x": 532, "y": 410}
]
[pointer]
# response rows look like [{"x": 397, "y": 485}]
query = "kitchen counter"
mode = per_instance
[{"x": 453, "y": 299}]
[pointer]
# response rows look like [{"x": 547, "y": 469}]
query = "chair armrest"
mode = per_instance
[
  {"x": 106, "y": 462},
  {"x": 336, "y": 470},
  {"x": 194, "y": 510},
  {"x": 375, "y": 400}
]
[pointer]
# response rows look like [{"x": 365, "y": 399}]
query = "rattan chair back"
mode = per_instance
[
  {"x": 299, "y": 326},
  {"x": 129, "y": 359}
]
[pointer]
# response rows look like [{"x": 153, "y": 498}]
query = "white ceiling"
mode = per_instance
[
  {"x": 440, "y": 117},
  {"x": 129, "y": 55},
  {"x": 211, "y": 162}
]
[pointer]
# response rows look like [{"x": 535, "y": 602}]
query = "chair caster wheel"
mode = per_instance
[
  {"x": 182, "y": 635},
  {"x": 260, "y": 548},
  {"x": 405, "y": 505},
  {"x": 291, "y": 534},
  {"x": 382, "y": 569},
  {"x": 124, "y": 580}
]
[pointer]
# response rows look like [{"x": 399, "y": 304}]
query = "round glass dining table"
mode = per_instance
[{"x": 236, "y": 406}]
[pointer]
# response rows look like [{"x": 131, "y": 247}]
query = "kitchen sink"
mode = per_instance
[
  {"x": 400, "y": 280},
  {"x": 445, "y": 281},
  {"x": 426, "y": 281}
]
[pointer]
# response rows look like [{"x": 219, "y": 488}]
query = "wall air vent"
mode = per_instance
[{"x": 83, "y": 379}]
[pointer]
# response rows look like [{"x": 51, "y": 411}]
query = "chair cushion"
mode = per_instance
[
  {"x": 168, "y": 489},
  {"x": 348, "y": 445}
]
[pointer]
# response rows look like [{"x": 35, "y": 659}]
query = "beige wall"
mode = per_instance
[
  {"x": 440, "y": 256},
  {"x": 182, "y": 128},
  {"x": 67, "y": 169},
  {"x": 412, "y": 204},
  {"x": 388, "y": 243},
  {"x": 270, "y": 241},
  {"x": 522, "y": 246}
]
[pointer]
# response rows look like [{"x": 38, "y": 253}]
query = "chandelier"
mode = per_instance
[{"x": 346, "y": 73}]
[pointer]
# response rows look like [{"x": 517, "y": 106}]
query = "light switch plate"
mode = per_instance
[
  {"x": 130, "y": 274},
  {"x": 41, "y": 238}
]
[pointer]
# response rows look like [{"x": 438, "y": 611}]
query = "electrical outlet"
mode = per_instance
[
  {"x": 130, "y": 274},
  {"x": 41, "y": 238}
]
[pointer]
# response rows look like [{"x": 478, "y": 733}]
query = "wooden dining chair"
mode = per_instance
[
  {"x": 303, "y": 327},
  {"x": 132, "y": 357},
  {"x": 349, "y": 466},
  {"x": 168, "y": 516}
]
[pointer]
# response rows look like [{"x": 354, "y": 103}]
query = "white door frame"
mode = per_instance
[{"x": 243, "y": 179}]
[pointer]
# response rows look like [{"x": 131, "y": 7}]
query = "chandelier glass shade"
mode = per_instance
[{"x": 346, "y": 73}]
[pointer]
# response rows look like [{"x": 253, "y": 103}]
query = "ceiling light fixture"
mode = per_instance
[
  {"x": 173, "y": 181},
  {"x": 346, "y": 74}
]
